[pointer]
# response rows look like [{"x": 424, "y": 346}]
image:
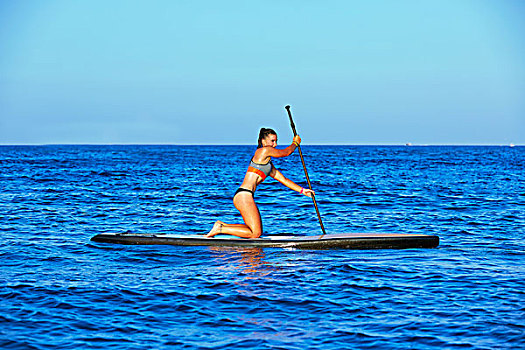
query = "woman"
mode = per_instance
[{"x": 260, "y": 167}]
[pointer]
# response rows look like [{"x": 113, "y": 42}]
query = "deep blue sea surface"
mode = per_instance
[{"x": 58, "y": 290}]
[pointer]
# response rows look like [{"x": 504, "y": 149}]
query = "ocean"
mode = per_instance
[{"x": 59, "y": 290}]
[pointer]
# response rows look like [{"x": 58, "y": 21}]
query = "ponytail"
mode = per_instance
[{"x": 262, "y": 135}]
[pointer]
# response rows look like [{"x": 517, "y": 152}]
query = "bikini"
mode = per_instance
[{"x": 263, "y": 170}]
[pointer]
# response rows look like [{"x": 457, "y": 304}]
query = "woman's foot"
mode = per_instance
[{"x": 216, "y": 229}]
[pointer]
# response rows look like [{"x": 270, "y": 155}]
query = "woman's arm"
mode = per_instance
[
  {"x": 278, "y": 153},
  {"x": 277, "y": 175}
]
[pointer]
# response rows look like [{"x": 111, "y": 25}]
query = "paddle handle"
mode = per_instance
[{"x": 292, "y": 124}]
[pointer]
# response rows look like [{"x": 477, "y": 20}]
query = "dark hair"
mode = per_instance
[{"x": 262, "y": 135}]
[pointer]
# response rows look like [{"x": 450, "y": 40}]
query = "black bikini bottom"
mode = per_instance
[{"x": 240, "y": 189}]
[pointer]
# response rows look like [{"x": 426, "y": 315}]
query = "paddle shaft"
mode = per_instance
[{"x": 305, "y": 172}]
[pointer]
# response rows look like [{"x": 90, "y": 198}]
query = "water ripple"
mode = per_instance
[{"x": 59, "y": 290}]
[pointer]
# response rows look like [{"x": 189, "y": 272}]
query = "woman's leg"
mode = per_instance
[{"x": 250, "y": 213}]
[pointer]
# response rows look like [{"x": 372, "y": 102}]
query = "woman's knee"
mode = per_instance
[
  {"x": 256, "y": 233},
  {"x": 255, "y": 229}
]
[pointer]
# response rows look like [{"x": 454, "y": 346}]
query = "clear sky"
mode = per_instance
[{"x": 214, "y": 72}]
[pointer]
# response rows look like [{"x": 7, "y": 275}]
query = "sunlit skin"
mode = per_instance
[{"x": 244, "y": 201}]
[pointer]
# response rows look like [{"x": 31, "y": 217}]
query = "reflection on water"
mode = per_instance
[{"x": 250, "y": 261}]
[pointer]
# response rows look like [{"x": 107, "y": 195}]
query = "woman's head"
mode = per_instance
[{"x": 267, "y": 137}]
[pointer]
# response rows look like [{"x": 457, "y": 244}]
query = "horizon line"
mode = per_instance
[{"x": 408, "y": 144}]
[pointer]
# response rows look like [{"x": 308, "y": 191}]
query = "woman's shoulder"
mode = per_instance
[
  {"x": 262, "y": 153},
  {"x": 262, "y": 150}
]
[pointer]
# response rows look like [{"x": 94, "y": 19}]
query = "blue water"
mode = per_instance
[{"x": 58, "y": 290}]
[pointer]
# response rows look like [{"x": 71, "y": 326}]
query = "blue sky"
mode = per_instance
[{"x": 214, "y": 72}]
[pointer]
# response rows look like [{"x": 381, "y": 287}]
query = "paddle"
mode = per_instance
[{"x": 305, "y": 172}]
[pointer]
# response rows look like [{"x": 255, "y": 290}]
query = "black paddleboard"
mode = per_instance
[{"x": 329, "y": 241}]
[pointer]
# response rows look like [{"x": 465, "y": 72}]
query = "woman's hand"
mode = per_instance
[
  {"x": 307, "y": 192},
  {"x": 297, "y": 139}
]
